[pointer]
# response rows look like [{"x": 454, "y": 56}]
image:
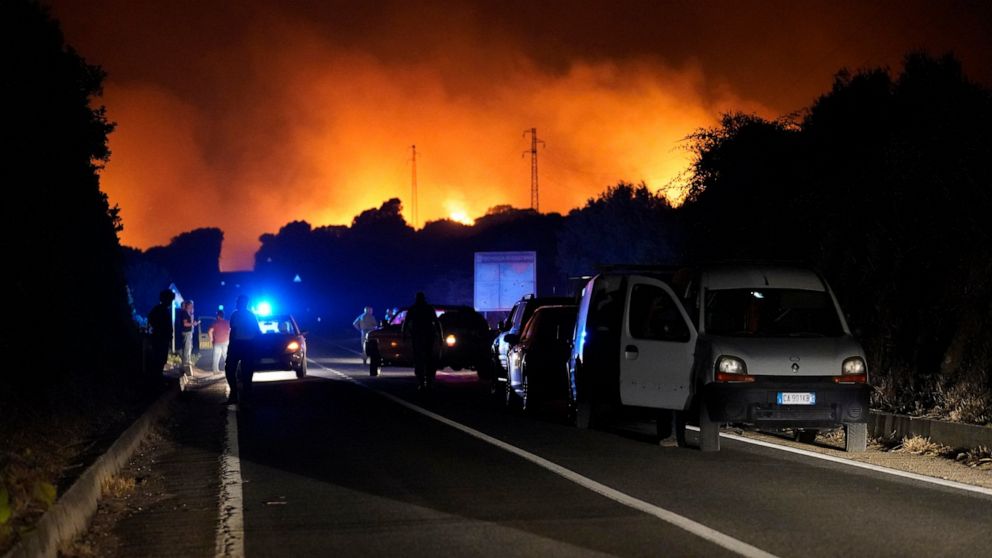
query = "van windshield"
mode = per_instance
[{"x": 771, "y": 313}]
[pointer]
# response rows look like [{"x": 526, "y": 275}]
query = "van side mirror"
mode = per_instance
[{"x": 511, "y": 338}]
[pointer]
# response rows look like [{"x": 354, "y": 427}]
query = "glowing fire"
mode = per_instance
[{"x": 331, "y": 138}]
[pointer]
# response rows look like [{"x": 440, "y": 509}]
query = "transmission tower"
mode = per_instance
[
  {"x": 413, "y": 186},
  {"x": 533, "y": 167}
]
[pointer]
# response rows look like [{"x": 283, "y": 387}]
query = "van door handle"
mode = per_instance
[{"x": 630, "y": 352}]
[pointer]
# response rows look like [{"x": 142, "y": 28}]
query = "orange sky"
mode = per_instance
[{"x": 246, "y": 116}]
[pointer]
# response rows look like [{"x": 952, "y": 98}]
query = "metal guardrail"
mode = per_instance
[{"x": 953, "y": 434}]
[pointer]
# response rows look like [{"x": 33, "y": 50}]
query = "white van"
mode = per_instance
[{"x": 765, "y": 345}]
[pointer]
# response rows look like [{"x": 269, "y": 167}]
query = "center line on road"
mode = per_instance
[{"x": 682, "y": 522}]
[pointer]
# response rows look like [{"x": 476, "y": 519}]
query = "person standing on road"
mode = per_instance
[
  {"x": 220, "y": 336},
  {"x": 160, "y": 323},
  {"x": 424, "y": 329},
  {"x": 365, "y": 323},
  {"x": 187, "y": 323},
  {"x": 241, "y": 352}
]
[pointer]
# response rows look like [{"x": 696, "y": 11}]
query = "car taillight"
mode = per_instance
[
  {"x": 728, "y": 377},
  {"x": 851, "y": 379}
]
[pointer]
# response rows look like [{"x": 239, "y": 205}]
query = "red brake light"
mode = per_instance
[
  {"x": 851, "y": 379},
  {"x": 728, "y": 377}
]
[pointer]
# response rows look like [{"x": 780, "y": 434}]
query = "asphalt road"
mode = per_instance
[{"x": 347, "y": 465}]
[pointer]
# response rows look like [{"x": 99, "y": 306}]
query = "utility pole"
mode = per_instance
[
  {"x": 413, "y": 185},
  {"x": 533, "y": 167}
]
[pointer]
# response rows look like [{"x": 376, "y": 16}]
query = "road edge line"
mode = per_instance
[
  {"x": 231, "y": 527},
  {"x": 693, "y": 527},
  {"x": 860, "y": 464}
]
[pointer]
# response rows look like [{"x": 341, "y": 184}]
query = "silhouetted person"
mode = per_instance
[
  {"x": 220, "y": 336},
  {"x": 160, "y": 323},
  {"x": 185, "y": 324},
  {"x": 423, "y": 328},
  {"x": 364, "y": 323},
  {"x": 241, "y": 352}
]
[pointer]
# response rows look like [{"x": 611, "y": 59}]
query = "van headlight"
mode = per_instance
[
  {"x": 853, "y": 365},
  {"x": 730, "y": 365},
  {"x": 450, "y": 340}
]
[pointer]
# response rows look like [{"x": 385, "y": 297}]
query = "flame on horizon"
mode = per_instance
[{"x": 319, "y": 134}]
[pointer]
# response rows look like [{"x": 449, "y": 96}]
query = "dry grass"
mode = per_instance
[
  {"x": 921, "y": 445},
  {"x": 966, "y": 401},
  {"x": 117, "y": 487}
]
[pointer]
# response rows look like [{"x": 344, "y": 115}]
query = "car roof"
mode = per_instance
[{"x": 753, "y": 276}]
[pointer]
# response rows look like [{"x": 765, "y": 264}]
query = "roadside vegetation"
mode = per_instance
[{"x": 73, "y": 370}]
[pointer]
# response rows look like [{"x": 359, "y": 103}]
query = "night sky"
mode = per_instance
[{"x": 247, "y": 115}]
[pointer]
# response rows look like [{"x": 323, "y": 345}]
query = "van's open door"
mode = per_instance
[{"x": 657, "y": 345}]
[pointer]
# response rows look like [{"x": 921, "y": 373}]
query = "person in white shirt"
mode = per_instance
[{"x": 364, "y": 323}]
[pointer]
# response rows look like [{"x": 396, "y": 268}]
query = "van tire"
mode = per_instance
[
  {"x": 709, "y": 431},
  {"x": 855, "y": 437}
]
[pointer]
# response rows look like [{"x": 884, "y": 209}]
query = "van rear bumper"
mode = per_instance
[{"x": 757, "y": 402}]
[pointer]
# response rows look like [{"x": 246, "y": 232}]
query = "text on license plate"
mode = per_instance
[{"x": 796, "y": 398}]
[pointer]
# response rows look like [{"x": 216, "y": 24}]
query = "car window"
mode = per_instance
[
  {"x": 532, "y": 327},
  {"x": 519, "y": 309},
  {"x": 398, "y": 318},
  {"x": 565, "y": 326},
  {"x": 653, "y": 315},
  {"x": 606, "y": 305},
  {"x": 771, "y": 313},
  {"x": 283, "y": 325}
]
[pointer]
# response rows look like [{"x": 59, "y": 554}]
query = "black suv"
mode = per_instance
[{"x": 508, "y": 330}]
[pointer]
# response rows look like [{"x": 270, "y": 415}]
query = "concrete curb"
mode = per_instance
[
  {"x": 954, "y": 434},
  {"x": 70, "y": 515}
]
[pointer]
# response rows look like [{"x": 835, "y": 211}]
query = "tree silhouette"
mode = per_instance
[
  {"x": 626, "y": 224},
  {"x": 59, "y": 233}
]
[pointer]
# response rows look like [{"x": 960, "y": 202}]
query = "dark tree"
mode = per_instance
[
  {"x": 63, "y": 277},
  {"x": 626, "y": 224}
]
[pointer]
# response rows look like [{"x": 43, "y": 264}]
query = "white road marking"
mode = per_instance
[
  {"x": 231, "y": 529},
  {"x": 859, "y": 464},
  {"x": 716, "y": 537}
]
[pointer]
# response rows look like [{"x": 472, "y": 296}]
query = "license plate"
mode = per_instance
[{"x": 794, "y": 398}]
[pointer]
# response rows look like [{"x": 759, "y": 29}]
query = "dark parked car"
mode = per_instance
[
  {"x": 508, "y": 332},
  {"x": 465, "y": 338},
  {"x": 281, "y": 346},
  {"x": 538, "y": 364}
]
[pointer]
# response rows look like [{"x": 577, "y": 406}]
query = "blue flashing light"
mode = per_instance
[
  {"x": 263, "y": 309},
  {"x": 220, "y": 306}
]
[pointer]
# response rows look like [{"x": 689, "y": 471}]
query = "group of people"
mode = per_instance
[
  {"x": 423, "y": 329},
  {"x": 231, "y": 340}
]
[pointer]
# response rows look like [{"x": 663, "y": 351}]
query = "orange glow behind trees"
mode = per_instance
[{"x": 321, "y": 134}]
